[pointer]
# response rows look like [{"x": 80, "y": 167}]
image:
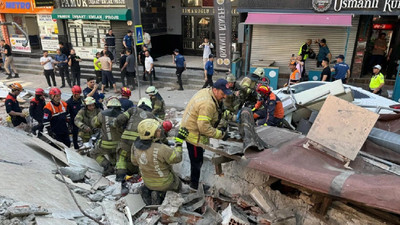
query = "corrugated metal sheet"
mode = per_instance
[{"x": 278, "y": 43}]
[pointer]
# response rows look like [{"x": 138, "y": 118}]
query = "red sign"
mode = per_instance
[{"x": 383, "y": 26}]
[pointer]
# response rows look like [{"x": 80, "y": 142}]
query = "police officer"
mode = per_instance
[
  {"x": 157, "y": 102},
  {"x": 55, "y": 117},
  {"x": 125, "y": 102},
  {"x": 110, "y": 135},
  {"x": 84, "y": 117},
  {"x": 272, "y": 112},
  {"x": 74, "y": 104},
  {"x": 12, "y": 105},
  {"x": 155, "y": 162},
  {"x": 201, "y": 118},
  {"x": 36, "y": 110}
]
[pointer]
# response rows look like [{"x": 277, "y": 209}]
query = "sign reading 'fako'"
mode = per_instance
[{"x": 223, "y": 31}]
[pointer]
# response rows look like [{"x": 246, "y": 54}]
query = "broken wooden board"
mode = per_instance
[{"x": 342, "y": 127}]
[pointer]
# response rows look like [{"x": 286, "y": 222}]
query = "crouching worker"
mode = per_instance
[
  {"x": 155, "y": 161},
  {"x": 84, "y": 118},
  {"x": 269, "y": 109},
  {"x": 109, "y": 137}
]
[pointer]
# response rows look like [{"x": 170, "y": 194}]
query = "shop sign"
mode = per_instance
[
  {"x": 204, "y": 11},
  {"x": 223, "y": 32},
  {"x": 90, "y": 17},
  {"x": 382, "y": 26},
  {"x": 48, "y": 32},
  {"x": 321, "y": 5},
  {"x": 22, "y": 6},
  {"x": 41, "y": 3},
  {"x": 16, "y": 44},
  {"x": 92, "y": 3},
  {"x": 49, "y": 43},
  {"x": 339, "y": 5}
]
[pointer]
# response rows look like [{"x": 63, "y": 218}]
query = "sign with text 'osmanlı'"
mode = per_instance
[{"x": 223, "y": 31}]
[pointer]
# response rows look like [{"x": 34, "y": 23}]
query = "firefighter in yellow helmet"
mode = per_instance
[
  {"x": 110, "y": 135},
  {"x": 83, "y": 120},
  {"x": 155, "y": 161},
  {"x": 248, "y": 85}
]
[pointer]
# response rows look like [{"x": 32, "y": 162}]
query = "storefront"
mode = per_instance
[
  {"x": 86, "y": 24},
  {"x": 285, "y": 28},
  {"x": 34, "y": 20},
  {"x": 198, "y": 22}
]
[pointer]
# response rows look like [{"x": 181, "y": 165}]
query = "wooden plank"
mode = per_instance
[{"x": 342, "y": 127}]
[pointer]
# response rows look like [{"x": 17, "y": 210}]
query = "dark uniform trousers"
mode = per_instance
[{"x": 196, "y": 161}]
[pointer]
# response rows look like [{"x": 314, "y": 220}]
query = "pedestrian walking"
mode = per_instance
[
  {"x": 122, "y": 62},
  {"x": 109, "y": 40},
  {"x": 127, "y": 41},
  {"x": 74, "y": 104},
  {"x": 61, "y": 61},
  {"x": 3, "y": 59},
  {"x": 149, "y": 65},
  {"x": 97, "y": 70},
  {"x": 209, "y": 71},
  {"x": 9, "y": 60},
  {"x": 341, "y": 69},
  {"x": 105, "y": 65},
  {"x": 206, "y": 46},
  {"x": 142, "y": 58},
  {"x": 180, "y": 63},
  {"x": 47, "y": 62},
  {"x": 129, "y": 66},
  {"x": 73, "y": 62}
]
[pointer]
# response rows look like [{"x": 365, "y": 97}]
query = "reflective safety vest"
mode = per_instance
[{"x": 295, "y": 75}]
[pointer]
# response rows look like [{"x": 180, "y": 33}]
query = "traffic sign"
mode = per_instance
[{"x": 139, "y": 35}]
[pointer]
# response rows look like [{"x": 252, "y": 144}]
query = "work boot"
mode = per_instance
[
  {"x": 157, "y": 197},
  {"x": 8, "y": 76},
  {"x": 108, "y": 168},
  {"x": 180, "y": 88},
  {"x": 146, "y": 194},
  {"x": 124, "y": 188},
  {"x": 121, "y": 173},
  {"x": 16, "y": 75},
  {"x": 63, "y": 85}
]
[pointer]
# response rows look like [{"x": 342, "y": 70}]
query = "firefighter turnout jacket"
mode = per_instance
[
  {"x": 201, "y": 117},
  {"x": 83, "y": 120},
  {"x": 110, "y": 135},
  {"x": 158, "y": 105}
]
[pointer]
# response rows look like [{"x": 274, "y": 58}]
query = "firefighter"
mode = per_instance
[
  {"x": 155, "y": 162},
  {"x": 12, "y": 105},
  {"x": 247, "y": 92},
  {"x": 84, "y": 117},
  {"x": 110, "y": 136},
  {"x": 55, "y": 117},
  {"x": 157, "y": 102},
  {"x": 74, "y": 104},
  {"x": 269, "y": 109},
  {"x": 201, "y": 118},
  {"x": 145, "y": 104},
  {"x": 36, "y": 110},
  {"x": 125, "y": 102},
  {"x": 130, "y": 120}
]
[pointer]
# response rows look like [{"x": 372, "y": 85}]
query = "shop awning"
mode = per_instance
[
  {"x": 86, "y": 14},
  {"x": 299, "y": 19}
]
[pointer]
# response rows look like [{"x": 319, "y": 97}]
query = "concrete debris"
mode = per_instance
[
  {"x": 171, "y": 203},
  {"x": 195, "y": 200},
  {"x": 210, "y": 217},
  {"x": 134, "y": 202},
  {"x": 113, "y": 190},
  {"x": 262, "y": 200},
  {"x": 232, "y": 216},
  {"x": 96, "y": 197},
  {"x": 112, "y": 214},
  {"x": 148, "y": 218},
  {"x": 52, "y": 221},
  {"x": 96, "y": 212},
  {"x": 246, "y": 201},
  {"x": 20, "y": 209},
  {"x": 75, "y": 159},
  {"x": 85, "y": 187},
  {"x": 74, "y": 173}
]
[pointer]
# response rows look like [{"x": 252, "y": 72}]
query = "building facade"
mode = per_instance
[{"x": 279, "y": 28}]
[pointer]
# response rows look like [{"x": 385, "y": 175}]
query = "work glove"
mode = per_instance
[
  {"x": 226, "y": 114},
  {"x": 265, "y": 125},
  {"x": 225, "y": 136},
  {"x": 182, "y": 135},
  {"x": 253, "y": 109},
  {"x": 86, "y": 128}
]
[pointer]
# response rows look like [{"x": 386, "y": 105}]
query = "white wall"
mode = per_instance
[{"x": 174, "y": 21}]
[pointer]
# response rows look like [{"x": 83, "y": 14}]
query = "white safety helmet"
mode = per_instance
[
  {"x": 151, "y": 90},
  {"x": 145, "y": 101}
]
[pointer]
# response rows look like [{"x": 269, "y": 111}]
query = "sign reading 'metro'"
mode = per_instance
[{"x": 223, "y": 31}]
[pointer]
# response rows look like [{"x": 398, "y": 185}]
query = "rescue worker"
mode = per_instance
[
  {"x": 74, "y": 104},
  {"x": 125, "y": 102},
  {"x": 145, "y": 104},
  {"x": 201, "y": 118},
  {"x": 110, "y": 136},
  {"x": 36, "y": 110},
  {"x": 295, "y": 74},
  {"x": 231, "y": 100},
  {"x": 55, "y": 117},
  {"x": 157, "y": 102},
  {"x": 155, "y": 162},
  {"x": 12, "y": 105},
  {"x": 247, "y": 93},
  {"x": 84, "y": 118},
  {"x": 272, "y": 112},
  {"x": 130, "y": 119}
]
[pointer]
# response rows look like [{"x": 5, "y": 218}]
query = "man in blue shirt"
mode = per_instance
[
  {"x": 323, "y": 53},
  {"x": 91, "y": 91},
  {"x": 61, "y": 62},
  {"x": 209, "y": 71},
  {"x": 180, "y": 63},
  {"x": 341, "y": 69},
  {"x": 127, "y": 41}
]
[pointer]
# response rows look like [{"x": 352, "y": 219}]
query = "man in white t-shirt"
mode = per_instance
[
  {"x": 47, "y": 62},
  {"x": 149, "y": 65},
  {"x": 147, "y": 40},
  {"x": 206, "y": 46}
]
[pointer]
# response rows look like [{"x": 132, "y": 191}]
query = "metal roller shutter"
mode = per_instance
[
  {"x": 279, "y": 42},
  {"x": 120, "y": 29}
]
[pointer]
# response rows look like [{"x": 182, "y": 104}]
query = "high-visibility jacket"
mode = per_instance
[
  {"x": 110, "y": 135},
  {"x": 304, "y": 51},
  {"x": 83, "y": 119},
  {"x": 201, "y": 117},
  {"x": 295, "y": 75},
  {"x": 155, "y": 164},
  {"x": 55, "y": 115},
  {"x": 130, "y": 120}
]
